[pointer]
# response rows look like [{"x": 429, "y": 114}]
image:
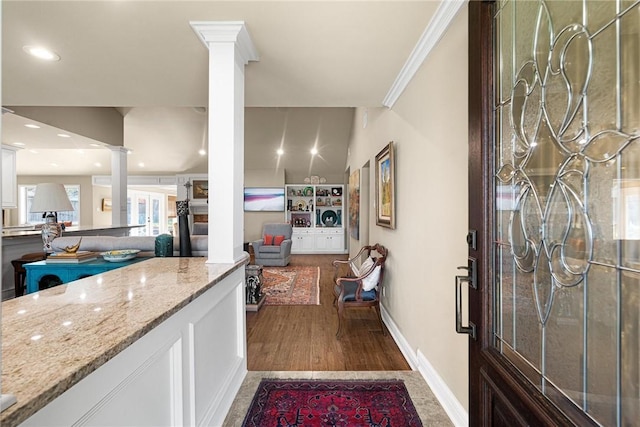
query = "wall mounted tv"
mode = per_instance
[{"x": 264, "y": 199}]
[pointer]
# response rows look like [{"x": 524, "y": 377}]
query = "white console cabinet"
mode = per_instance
[
  {"x": 317, "y": 215},
  {"x": 330, "y": 240},
  {"x": 302, "y": 241}
]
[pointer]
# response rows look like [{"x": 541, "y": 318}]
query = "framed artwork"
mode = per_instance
[
  {"x": 354, "y": 204},
  {"x": 264, "y": 199},
  {"x": 106, "y": 205},
  {"x": 200, "y": 217},
  {"x": 200, "y": 189},
  {"x": 385, "y": 187}
]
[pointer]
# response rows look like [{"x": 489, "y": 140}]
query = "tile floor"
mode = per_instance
[{"x": 429, "y": 410}]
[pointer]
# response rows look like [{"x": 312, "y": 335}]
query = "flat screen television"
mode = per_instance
[{"x": 264, "y": 199}]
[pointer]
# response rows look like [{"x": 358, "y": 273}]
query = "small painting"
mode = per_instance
[
  {"x": 200, "y": 189},
  {"x": 106, "y": 205},
  {"x": 385, "y": 187},
  {"x": 354, "y": 204}
]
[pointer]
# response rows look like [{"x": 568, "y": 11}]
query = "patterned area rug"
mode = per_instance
[
  {"x": 291, "y": 285},
  {"x": 331, "y": 403}
]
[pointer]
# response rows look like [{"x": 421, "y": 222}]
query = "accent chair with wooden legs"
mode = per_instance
[{"x": 357, "y": 281}]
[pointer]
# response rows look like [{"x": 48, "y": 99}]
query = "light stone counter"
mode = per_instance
[{"x": 52, "y": 339}]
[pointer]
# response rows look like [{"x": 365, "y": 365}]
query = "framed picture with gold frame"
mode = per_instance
[
  {"x": 385, "y": 187},
  {"x": 200, "y": 189},
  {"x": 106, "y": 205}
]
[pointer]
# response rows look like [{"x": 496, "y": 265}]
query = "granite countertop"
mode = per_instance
[
  {"x": 8, "y": 233},
  {"x": 53, "y": 338}
]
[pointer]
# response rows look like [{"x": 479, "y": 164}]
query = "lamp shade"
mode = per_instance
[{"x": 50, "y": 197}]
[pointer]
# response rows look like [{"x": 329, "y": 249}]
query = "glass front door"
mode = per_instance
[{"x": 566, "y": 244}]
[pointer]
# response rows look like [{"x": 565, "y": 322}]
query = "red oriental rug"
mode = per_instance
[
  {"x": 338, "y": 403},
  {"x": 291, "y": 285}
]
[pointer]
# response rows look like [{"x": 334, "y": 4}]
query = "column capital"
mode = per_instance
[
  {"x": 117, "y": 149},
  {"x": 227, "y": 32}
]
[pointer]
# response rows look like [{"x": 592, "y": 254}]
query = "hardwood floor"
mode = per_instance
[{"x": 302, "y": 338}]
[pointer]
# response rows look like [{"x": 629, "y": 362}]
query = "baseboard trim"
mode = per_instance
[
  {"x": 402, "y": 343},
  {"x": 219, "y": 408},
  {"x": 418, "y": 362},
  {"x": 458, "y": 415}
]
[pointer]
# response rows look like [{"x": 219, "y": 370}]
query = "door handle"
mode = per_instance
[{"x": 471, "y": 279}]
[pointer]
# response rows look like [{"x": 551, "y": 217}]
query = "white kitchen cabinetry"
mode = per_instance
[
  {"x": 9, "y": 179},
  {"x": 316, "y": 213}
]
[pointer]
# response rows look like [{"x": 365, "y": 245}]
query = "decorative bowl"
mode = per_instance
[{"x": 120, "y": 255}]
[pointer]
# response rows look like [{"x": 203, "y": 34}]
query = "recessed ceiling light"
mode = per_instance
[
  {"x": 42, "y": 53},
  {"x": 95, "y": 145},
  {"x": 31, "y": 126},
  {"x": 97, "y": 164},
  {"x": 280, "y": 151},
  {"x": 202, "y": 152},
  {"x": 64, "y": 135},
  {"x": 314, "y": 151},
  {"x": 55, "y": 165},
  {"x": 33, "y": 151},
  {"x": 141, "y": 164},
  {"x": 18, "y": 144},
  {"x": 129, "y": 151}
]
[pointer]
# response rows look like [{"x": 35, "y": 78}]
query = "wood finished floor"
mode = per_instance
[{"x": 302, "y": 338}]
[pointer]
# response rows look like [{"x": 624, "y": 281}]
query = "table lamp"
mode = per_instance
[{"x": 50, "y": 199}]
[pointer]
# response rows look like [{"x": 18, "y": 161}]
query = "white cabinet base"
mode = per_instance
[
  {"x": 318, "y": 241},
  {"x": 186, "y": 371}
]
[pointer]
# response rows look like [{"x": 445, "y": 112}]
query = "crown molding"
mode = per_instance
[
  {"x": 227, "y": 32},
  {"x": 428, "y": 40}
]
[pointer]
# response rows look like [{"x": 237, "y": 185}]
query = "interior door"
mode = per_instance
[{"x": 554, "y": 180}]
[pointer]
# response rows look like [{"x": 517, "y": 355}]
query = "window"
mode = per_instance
[{"x": 26, "y": 193}]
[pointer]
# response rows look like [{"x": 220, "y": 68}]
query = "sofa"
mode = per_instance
[{"x": 274, "y": 249}]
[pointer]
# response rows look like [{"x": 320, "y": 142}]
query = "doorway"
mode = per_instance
[{"x": 148, "y": 209}]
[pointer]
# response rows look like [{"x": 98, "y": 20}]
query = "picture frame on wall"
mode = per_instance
[
  {"x": 200, "y": 189},
  {"x": 106, "y": 205},
  {"x": 354, "y": 204},
  {"x": 385, "y": 187}
]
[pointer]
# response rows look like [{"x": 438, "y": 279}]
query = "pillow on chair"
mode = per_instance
[
  {"x": 366, "y": 265},
  {"x": 371, "y": 281},
  {"x": 268, "y": 239},
  {"x": 277, "y": 240}
]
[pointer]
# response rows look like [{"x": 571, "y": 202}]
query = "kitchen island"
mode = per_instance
[{"x": 159, "y": 342}]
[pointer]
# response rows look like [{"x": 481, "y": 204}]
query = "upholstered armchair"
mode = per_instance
[
  {"x": 357, "y": 281},
  {"x": 274, "y": 249}
]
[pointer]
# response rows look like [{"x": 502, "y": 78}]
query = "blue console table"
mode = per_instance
[{"x": 41, "y": 275}]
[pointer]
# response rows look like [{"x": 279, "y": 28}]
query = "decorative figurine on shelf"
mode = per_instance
[{"x": 73, "y": 248}]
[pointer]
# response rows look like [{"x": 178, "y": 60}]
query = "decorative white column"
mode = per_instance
[
  {"x": 230, "y": 50},
  {"x": 118, "y": 185}
]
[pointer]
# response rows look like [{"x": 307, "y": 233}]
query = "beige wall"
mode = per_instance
[
  {"x": 428, "y": 125},
  {"x": 86, "y": 193},
  {"x": 100, "y": 217}
]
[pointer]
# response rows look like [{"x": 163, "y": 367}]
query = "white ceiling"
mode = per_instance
[{"x": 144, "y": 58}]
